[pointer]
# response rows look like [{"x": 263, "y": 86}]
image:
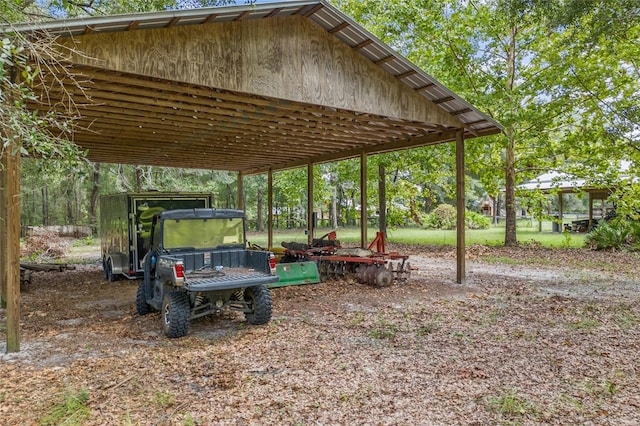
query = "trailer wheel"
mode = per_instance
[
  {"x": 142, "y": 307},
  {"x": 259, "y": 300},
  {"x": 108, "y": 272},
  {"x": 176, "y": 314}
]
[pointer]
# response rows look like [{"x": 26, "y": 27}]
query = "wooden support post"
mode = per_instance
[
  {"x": 310, "y": 224},
  {"x": 270, "y": 208},
  {"x": 240, "y": 191},
  {"x": 590, "y": 211},
  {"x": 363, "y": 200},
  {"x": 12, "y": 266},
  {"x": 460, "y": 199},
  {"x": 382, "y": 199},
  {"x": 4, "y": 202},
  {"x": 560, "y": 212}
]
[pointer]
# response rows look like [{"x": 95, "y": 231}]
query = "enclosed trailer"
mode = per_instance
[{"x": 125, "y": 224}]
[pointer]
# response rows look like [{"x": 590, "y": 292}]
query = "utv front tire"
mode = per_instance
[
  {"x": 142, "y": 307},
  {"x": 176, "y": 314},
  {"x": 258, "y": 299}
]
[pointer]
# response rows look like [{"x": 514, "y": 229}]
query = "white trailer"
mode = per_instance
[{"x": 125, "y": 224}]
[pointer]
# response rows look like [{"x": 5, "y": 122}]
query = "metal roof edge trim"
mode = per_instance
[{"x": 151, "y": 16}]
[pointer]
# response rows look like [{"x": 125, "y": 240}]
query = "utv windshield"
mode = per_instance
[{"x": 202, "y": 233}]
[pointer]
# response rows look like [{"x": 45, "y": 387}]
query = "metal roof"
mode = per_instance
[{"x": 330, "y": 20}]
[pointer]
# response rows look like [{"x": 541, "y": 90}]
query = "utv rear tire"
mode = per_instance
[
  {"x": 259, "y": 301},
  {"x": 176, "y": 314},
  {"x": 142, "y": 307}
]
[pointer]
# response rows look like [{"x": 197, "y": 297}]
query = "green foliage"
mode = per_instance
[
  {"x": 511, "y": 403},
  {"x": 443, "y": 217},
  {"x": 384, "y": 329},
  {"x": 84, "y": 241},
  {"x": 566, "y": 239},
  {"x": 618, "y": 234},
  {"x": 73, "y": 410},
  {"x": 555, "y": 74},
  {"x": 30, "y": 133},
  {"x": 164, "y": 399},
  {"x": 474, "y": 220}
]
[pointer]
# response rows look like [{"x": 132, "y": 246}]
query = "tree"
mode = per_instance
[
  {"x": 23, "y": 63},
  {"x": 508, "y": 58}
]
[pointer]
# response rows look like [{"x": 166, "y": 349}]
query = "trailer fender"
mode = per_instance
[{"x": 118, "y": 262}]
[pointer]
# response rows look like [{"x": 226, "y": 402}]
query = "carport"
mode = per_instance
[{"x": 251, "y": 89}]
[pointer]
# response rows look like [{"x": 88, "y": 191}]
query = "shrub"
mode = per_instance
[
  {"x": 444, "y": 216},
  {"x": 618, "y": 234},
  {"x": 475, "y": 220}
]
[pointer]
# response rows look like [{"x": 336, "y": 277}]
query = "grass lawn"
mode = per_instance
[{"x": 493, "y": 236}]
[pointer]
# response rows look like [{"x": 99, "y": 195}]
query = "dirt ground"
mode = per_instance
[{"x": 533, "y": 336}]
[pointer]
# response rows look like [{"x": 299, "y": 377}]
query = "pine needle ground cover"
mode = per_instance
[{"x": 535, "y": 336}]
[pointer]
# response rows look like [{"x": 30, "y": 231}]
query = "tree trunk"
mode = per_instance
[
  {"x": 93, "y": 202},
  {"x": 428, "y": 199},
  {"x": 382, "y": 198},
  {"x": 69, "y": 208},
  {"x": 139, "y": 178},
  {"x": 45, "y": 206},
  {"x": 260, "y": 225},
  {"x": 334, "y": 212},
  {"x": 510, "y": 238}
]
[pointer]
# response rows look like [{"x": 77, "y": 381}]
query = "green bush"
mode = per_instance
[
  {"x": 474, "y": 220},
  {"x": 445, "y": 216},
  {"x": 617, "y": 234}
]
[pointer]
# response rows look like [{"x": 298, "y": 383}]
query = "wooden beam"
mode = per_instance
[
  {"x": 310, "y": 224},
  {"x": 590, "y": 211},
  {"x": 4, "y": 203},
  {"x": 313, "y": 11},
  {"x": 436, "y": 137},
  {"x": 339, "y": 28},
  {"x": 133, "y": 25},
  {"x": 384, "y": 60},
  {"x": 210, "y": 19},
  {"x": 270, "y": 209},
  {"x": 406, "y": 74},
  {"x": 362, "y": 44},
  {"x": 241, "y": 16},
  {"x": 425, "y": 87},
  {"x": 461, "y": 111},
  {"x": 191, "y": 94},
  {"x": 173, "y": 22},
  {"x": 363, "y": 200},
  {"x": 461, "y": 207},
  {"x": 561, "y": 212},
  {"x": 240, "y": 192},
  {"x": 274, "y": 12},
  {"x": 12, "y": 154},
  {"x": 443, "y": 100}
]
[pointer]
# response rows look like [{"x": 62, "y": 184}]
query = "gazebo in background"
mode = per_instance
[{"x": 564, "y": 183}]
